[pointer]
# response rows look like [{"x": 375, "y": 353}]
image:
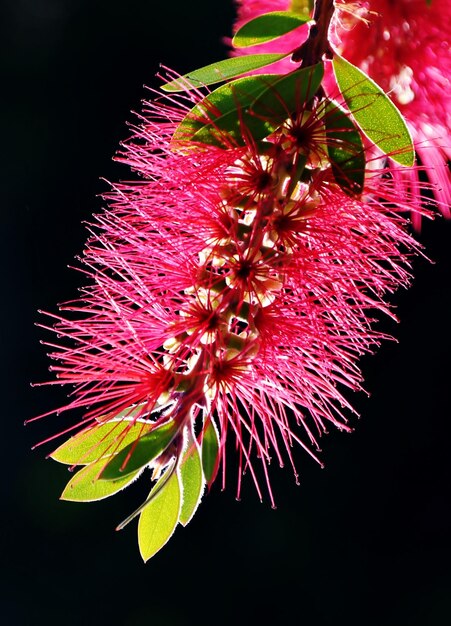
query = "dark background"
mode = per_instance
[{"x": 365, "y": 541}]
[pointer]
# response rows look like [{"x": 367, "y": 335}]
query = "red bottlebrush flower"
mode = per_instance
[
  {"x": 404, "y": 47},
  {"x": 229, "y": 286}
]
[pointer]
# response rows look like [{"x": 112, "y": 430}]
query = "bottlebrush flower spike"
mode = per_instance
[
  {"x": 232, "y": 290},
  {"x": 401, "y": 45}
]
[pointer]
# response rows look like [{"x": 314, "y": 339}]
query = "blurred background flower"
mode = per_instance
[{"x": 404, "y": 47}]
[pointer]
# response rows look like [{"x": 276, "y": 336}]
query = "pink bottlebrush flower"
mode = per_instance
[
  {"x": 404, "y": 47},
  {"x": 227, "y": 286}
]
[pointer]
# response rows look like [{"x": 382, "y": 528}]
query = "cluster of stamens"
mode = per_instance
[{"x": 268, "y": 196}]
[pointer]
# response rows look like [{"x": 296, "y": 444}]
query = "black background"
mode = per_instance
[{"x": 364, "y": 541}]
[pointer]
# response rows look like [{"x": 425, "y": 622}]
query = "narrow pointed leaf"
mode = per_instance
[
  {"x": 222, "y": 70},
  {"x": 210, "y": 451},
  {"x": 222, "y": 115},
  {"x": 345, "y": 149},
  {"x": 158, "y": 487},
  {"x": 374, "y": 112},
  {"x": 159, "y": 518},
  {"x": 140, "y": 453},
  {"x": 192, "y": 479},
  {"x": 288, "y": 94},
  {"x": 100, "y": 441},
  {"x": 85, "y": 486},
  {"x": 268, "y": 27},
  {"x": 256, "y": 105}
]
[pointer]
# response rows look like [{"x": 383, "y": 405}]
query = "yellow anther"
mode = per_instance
[{"x": 171, "y": 344}]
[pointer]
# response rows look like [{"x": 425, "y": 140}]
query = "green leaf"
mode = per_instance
[
  {"x": 268, "y": 27},
  {"x": 85, "y": 486},
  {"x": 345, "y": 149},
  {"x": 159, "y": 518},
  {"x": 374, "y": 112},
  {"x": 192, "y": 479},
  {"x": 140, "y": 453},
  {"x": 288, "y": 94},
  {"x": 295, "y": 176},
  {"x": 301, "y": 6},
  {"x": 254, "y": 104},
  {"x": 100, "y": 441},
  {"x": 222, "y": 70},
  {"x": 210, "y": 451},
  {"x": 220, "y": 116}
]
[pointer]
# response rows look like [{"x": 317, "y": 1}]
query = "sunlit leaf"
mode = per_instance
[
  {"x": 345, "y": 149},
  {"x": 267, "y": 27},
  {"x": 100, "y": 441},
  {"x": 288, "y": 94},
  {"x": 192, "y": 479},
  {"x": 140, "y": 453},
  {"x": 221, "y": 116},
  {"x": 301, "y": 6},
  {"x": 159, "y": 518},
  {"x": 374, "y": 112},
  {"x": 85, "y": 486},
  {"x": 256, "y": 105},
  {"x": 210, "y": 451},
  {"x": 222, "y": 70}
]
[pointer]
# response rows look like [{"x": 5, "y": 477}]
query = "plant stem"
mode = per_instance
[{"x": 317, "y": 43}]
